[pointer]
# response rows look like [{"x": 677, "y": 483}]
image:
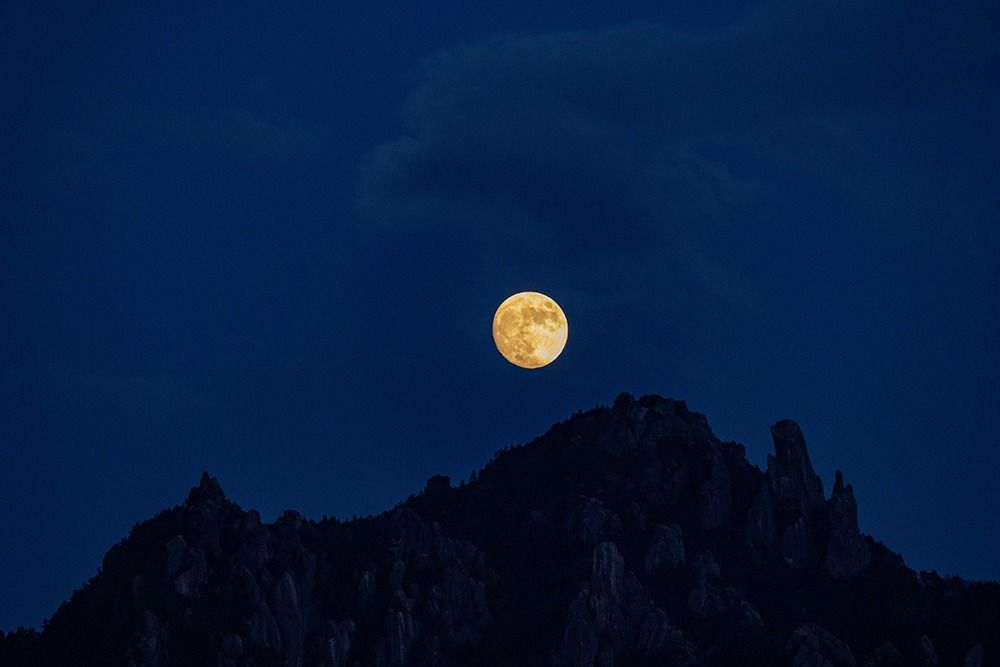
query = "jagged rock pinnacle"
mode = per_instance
[
  {"x": 793, "y": 480},
  {"x": 208, "y": 489},
  {"x": 847, "y": 554}
]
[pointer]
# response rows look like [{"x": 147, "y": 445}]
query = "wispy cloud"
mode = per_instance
[{"x": 633, "y": 140}]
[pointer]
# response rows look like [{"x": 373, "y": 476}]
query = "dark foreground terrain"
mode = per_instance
[{"x": 627, "y": 535}]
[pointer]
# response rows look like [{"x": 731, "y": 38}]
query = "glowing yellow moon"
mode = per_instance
[{"x": 530, "y": 329}]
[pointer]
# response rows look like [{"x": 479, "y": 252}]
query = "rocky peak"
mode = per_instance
[
  {"x": 795, "y": 484},
  {"x": 838, "y": 485},
  {"x": 208, "y": 491},
  {"x": 847, "y": 554},
  {"x": 627, "y": 535}
]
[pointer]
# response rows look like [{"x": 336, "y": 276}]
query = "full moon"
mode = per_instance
[{"x": 530, "y": 329}]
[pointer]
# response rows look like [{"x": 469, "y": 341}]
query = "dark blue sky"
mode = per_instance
[{"x": 269, "y": 242}]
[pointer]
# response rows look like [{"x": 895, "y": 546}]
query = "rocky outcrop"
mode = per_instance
[
  {"x": 217, "y": 586},
  {"x": 397, "y": 639},
  {"x": 927, "y": 655},
  {"x": 288, "y": 616},
  {"x": 712, "y": 600},
  {"x": 715, "y": 492},
  {"x": 887, "y": 655},
  {"x": 666, "y": 548},
  {"x": 847, "y": 554},
  {"x": 704, "y": 598},
  {"x": 812, "y": 646},
  {"x": 798, "y": 494},
  {"x": 148, "y": 642},
  {"x": 628, "y": 535},
  {"x": 796, "y": 487},
  {"x": 611, "y": 619},
  {"x": 761, "y": 529},
  {"x": 592, "y": 522}
]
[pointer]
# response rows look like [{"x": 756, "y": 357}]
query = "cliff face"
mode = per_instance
[{"x": 627, "y": 535}]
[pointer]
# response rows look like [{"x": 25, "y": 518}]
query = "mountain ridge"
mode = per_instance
[{"x": 627, "y": 534}]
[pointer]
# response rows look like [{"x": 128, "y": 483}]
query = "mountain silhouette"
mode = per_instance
[{"x": 627, "y": 535}]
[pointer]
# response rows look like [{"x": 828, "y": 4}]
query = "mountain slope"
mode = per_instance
[{"x": 627, "y": 535}]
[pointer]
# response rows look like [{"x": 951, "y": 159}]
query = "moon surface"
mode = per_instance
[{"x": 530, "y": 329}]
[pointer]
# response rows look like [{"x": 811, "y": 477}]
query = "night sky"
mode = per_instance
[{"x": 268, "y": 243}]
